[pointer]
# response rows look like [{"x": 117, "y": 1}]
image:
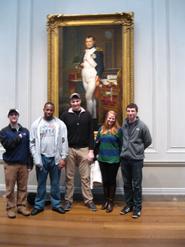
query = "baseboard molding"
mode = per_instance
[
  {"x": 147, "y": 163},
  {"x": 119, "y": 191},
  {"x": 164, "y": 164},
  {"x": 164, "y": 191}
]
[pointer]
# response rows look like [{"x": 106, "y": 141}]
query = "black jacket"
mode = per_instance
[{"x": 79, "y": 128}]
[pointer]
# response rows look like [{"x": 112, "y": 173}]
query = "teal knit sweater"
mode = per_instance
[{"x": 109, "y": 146}]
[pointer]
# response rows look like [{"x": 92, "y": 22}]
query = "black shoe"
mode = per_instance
[
  {"x": 67, "y": 206},
  {"x": 104, "y": 206},
  {"x": 136, "y": 214},
  {"x": 109, "y": 207},
  {"x": 91, "y": 205},
  {"x": 36, "y": 211},
  {"x": 126, "y": 210},
  {"x": 59, "y": 210}
]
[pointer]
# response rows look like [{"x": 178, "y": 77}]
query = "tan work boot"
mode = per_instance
[
  {"x": 11, "y": 213},
  {"x": 22, "y": 210}
]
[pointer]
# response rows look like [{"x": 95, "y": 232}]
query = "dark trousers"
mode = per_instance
[
  {"x": 109, "y": 173},
  {"x": 132, "y": 179}
]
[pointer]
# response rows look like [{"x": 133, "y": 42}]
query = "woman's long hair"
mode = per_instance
[{"x": 105, "y": 128}]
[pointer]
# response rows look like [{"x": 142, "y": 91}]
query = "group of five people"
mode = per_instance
[{"x": 69, "y": 142}]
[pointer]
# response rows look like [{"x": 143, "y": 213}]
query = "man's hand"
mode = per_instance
[
  {"x": 90, "y": 155},
  {"x": 39, "y": 166},
  {"x": 21, "y": 135},
  {"x": 61, "y": 164},
  {"x": 97, "y": 80}
]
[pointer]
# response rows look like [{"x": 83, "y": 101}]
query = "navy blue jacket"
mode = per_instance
[
  {"x": 99, "y": 60},
  {"x": 16, "y": 146}
]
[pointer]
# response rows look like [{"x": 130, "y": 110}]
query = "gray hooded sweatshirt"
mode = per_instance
[{"x": 136, "y": 138}]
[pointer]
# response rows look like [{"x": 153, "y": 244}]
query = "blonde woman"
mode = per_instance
[{"x": 109, "y": 142}]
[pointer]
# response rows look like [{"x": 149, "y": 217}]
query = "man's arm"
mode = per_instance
[
  {"x": 91, "y": 139},
  {"x": 91, "y": 132},
  {"x": 32, "y": 140},
  {"x": 81, "y": 60},
  {"x": 9, "y": 143},
  {"x": 99, "y": 61},
  {"x": 64, "y": 144},
  {"x": 33, "y": 143},
  {"x": 147, "y": 139}
]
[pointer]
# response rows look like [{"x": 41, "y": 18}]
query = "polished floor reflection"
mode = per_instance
[{"x": 162, "y": 224}]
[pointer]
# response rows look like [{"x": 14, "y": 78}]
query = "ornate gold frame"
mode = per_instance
[{"x": 126, "y": 20}]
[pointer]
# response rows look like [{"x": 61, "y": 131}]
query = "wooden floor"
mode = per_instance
[{"x": 162, "y": 224}]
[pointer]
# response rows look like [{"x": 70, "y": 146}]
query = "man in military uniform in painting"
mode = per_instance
[{"x": 92, "y": 69}]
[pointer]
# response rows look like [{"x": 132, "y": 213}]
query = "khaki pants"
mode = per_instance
[
  {"x": 78, "y": 157},
  {"x": 16, "y": 173}
]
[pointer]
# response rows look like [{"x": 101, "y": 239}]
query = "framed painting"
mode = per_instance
[{"x": 112, "y": 36}]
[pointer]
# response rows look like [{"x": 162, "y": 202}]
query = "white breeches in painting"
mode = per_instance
[{"x": 89, "y": 83}]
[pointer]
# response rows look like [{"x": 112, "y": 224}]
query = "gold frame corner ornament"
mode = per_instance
[{"x": 56, "y": 21}]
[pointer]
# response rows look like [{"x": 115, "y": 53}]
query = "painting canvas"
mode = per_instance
[
  {"x": 108, "y": 93},
  {"x": 66, "y": 45}
]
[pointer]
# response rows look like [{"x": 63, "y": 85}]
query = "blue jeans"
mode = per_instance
[
  {"x": 132, "y": 179},
  {"x": 49, "y": 167}
]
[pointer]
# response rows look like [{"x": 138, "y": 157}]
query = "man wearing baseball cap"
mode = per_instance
[
  {"x": 15, "y": 140},
  {"x": 81, "y": 144}
]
